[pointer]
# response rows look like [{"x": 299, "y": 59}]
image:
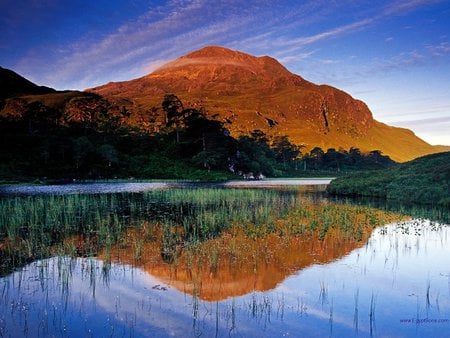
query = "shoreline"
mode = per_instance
[{"x": 124, "y": 187}]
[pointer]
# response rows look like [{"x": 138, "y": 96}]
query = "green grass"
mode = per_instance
[
  {"x": 425, "y": 180},
  {"x": 35, "y": 227}
]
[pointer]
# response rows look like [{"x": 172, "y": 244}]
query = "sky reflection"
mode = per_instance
[{"x": 400, "y": 274}]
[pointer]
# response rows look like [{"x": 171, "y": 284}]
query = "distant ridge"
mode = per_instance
[
  {"x": 19, "y": 96},
  {"x": 12, "y": 84}
]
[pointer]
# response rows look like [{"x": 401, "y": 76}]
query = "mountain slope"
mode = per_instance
[
  {"x": 425, "y": 180},
  {"x": 12, "y": 84},
  {"x": 250, "y": 93},
  {"x": 21, "y": 98}
]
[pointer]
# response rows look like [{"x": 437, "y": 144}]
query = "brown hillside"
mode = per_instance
[{"x": 250, "y": 93}]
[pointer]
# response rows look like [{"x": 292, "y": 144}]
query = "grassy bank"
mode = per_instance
[{"x": 425, "y": 180}]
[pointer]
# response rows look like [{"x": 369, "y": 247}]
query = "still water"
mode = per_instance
[
  {"x": 392, "y": 281},
  {"x": 128, "y": 187}
]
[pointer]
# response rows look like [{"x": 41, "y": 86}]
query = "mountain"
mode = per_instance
[
  {"x": 248, "y": 93},
  {"x": 12, "y": 84}
]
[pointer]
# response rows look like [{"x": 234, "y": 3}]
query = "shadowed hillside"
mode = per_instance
[
  {"x": 12, "y": 84},
  {"x": 425, "y": 180}
]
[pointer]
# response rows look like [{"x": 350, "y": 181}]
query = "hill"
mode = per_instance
[
  {"x": 12, "y": 84},
  {"x": 22, "y": 99},
  {"x": 425, "y": 180},
  {"x": 247, "y": 93}
]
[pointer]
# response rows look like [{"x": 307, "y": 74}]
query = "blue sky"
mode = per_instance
[{"x": 394, "y": 55}]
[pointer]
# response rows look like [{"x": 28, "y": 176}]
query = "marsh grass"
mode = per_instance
[
  {"x": 206, "y": 224},
  {"x": 40, "y": 226}
]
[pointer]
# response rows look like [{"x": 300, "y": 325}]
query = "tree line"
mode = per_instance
[{"x": 90, "y": 139}]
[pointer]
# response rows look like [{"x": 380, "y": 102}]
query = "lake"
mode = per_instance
[{"x": 186, "y": 260}]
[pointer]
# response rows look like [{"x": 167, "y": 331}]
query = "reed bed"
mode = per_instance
[{"x": 36, "y": 227}]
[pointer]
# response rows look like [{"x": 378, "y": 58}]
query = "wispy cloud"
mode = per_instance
[
  {"x": 291, "y": 45},
  {"x": 296, "y": 58},
  {"x": 173, "y": 29},
  {"x": 392, "y": 9},
  {"x": 433, "y": 121},
  {"x": 430, "y": 110},
  {"x": 400, "y": 61},
  {"x": 179, "y": 26},
  {"x": 329, "y": 62},
  {"x": 182, "y": 26},
  {"x": 400, "y": 7},
  {"x": 335, "y": 32},
  {"x": 440, "y": 49},
  {"x": 434, "y": 130}
]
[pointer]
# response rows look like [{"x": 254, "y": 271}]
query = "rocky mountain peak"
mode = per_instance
[{"x": 248, "y": 92}]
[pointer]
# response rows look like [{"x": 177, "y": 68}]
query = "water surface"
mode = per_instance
[
  {"x": 305, "y": 275},
  {"x": 386, "y": 288},
  {"x": 128, "y": 187}
]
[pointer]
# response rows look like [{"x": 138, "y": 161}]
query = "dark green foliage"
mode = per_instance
[
  {"x": 87, "y": 139},
  {"x": 344, "y": 161},
  {"x": 424, "y": 180},
  {"x": 207, "y": 142},
  {"x": 255, "y": 156},
  {"x": 285, "y": 151},
  {"x": 173, "y": 108}
]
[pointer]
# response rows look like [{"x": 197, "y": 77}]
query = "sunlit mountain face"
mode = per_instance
[{"x": 247, "y": 93}]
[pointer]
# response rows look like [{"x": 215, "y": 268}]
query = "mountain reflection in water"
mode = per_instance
[
  {"x": 397, "y": 284},
  {"x": 255, "y": 264}
]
